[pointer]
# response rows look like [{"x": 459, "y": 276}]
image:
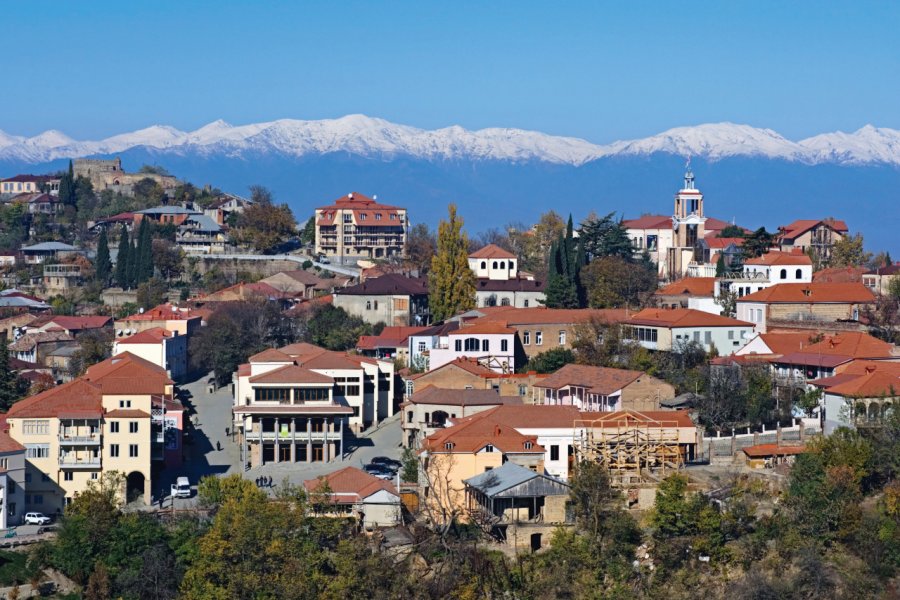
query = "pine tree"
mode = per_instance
[
  {"x": 451, "y": 283},
  {"x": 103, "y": 266},
  {"x": 123, "y": 259}
]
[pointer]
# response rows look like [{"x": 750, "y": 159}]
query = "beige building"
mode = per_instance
[
  {"x": 112, "y": 419},
  {"x": 433, "y": 408},
  {"x": 879, "y": 280},
  {"x": 166, "y": 349},
  {"x": 793, "y": 306},
  {"x": 603, "y": 389},
  {"x": 469, "y": 374},
  {"x": 356, "y": 227},
  {"x": 183, "y": 321},
  {"x": 109, "y": 174},
  {"x": 815, "y": 235}
]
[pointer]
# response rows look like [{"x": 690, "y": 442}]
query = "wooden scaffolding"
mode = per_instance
[{"x": 633, "y": 447}]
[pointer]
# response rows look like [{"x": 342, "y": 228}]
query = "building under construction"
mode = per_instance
[{"x": 636, "y": 446}]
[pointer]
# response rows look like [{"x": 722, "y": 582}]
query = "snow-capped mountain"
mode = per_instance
[{"x": 369, "y": 137}]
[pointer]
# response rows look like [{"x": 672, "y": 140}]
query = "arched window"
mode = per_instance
[
  {"x": 798, "y": 274},
  {"x": 494, "y": 264},
  {"x": 484, "y": 264},
  {"x": 784, "y": 273},
  {"x": 472, "y": 344},
  {"x": 502, "y": 264}
]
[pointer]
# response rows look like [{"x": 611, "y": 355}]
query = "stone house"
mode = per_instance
[
  {"x": 390, "y": 299},
  {"x": 602, "y": 389},
  {"x": 788, "y": 306}
]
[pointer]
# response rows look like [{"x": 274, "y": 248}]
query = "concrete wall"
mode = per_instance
[{"x": 376, "y": 309}]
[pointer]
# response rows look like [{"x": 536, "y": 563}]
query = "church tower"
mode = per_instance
[{"x": 688, "y": 225}]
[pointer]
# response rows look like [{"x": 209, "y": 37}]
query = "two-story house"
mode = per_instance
[
  {"x": 433, "y": 408},
  {"x": 815, "y": 235},
  {"x": 879, "y": 280},
  {"x": 391, "y": 299},
  {"x": 166, "y": 349},
  {"x": 601, "y": 389},
  {"x": 666, "y": 329},
  {"x": 499, "y": 282},
  {"x": 794, "y": 306},
  {"x": 492, "y": 344}
]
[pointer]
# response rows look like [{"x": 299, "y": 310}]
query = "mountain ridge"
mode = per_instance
[{"x": 376, "y": 138}]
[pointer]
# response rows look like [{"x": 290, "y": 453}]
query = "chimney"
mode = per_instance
[{"x": 496, "y": 431}]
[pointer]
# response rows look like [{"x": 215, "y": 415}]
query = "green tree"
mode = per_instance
[
  {"x": 308, "y": 235},
  {"x": 550, "y": 361},
  {"x": 732, "y": 231},
  {"x": 605, "y": 236},
  {"x": 265, "y": 225},
  {"x": 421, "y": 246},
  {"x": 613, "y": 282},
  {"x": 451, "y": 283},
  {"x": 757, "y": 243},
  {"x": 849, "y": 252},
  {"x": 333, "y": 328},
  {"x": 151, "y": 293},
  {"x": 66, "y": 192},
  {"x": 720, "y": 265},
  {"x": 12, "y": 387},
  {"x": 123, "y": 259},
  {"x": 103, "y": 266},
  {"x": 144, "y": 250}
]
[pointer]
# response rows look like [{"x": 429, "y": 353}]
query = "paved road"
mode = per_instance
[
  {"x": 211, "y": 452},
  {"x": 300, "y": 259}
]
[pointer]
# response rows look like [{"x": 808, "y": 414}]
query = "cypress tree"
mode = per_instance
[
  {"x": 131, "y": 269},
  {"x": 11, "y": 388},
  {"x": 451, "y": 283},
  {"x": 144, "y": 269},
  {"x": 720, "y": 265},
  {"x": 67, "y": 187},
  {"x": 123, "y": 259},
  {"x": 103, "y": 266}
]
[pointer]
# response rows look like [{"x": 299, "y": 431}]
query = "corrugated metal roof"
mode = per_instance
[{"x": 495, "y": 482}]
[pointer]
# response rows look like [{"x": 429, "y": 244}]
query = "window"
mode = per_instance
[
  {"x": 272, "y": 395},
  {"x": 133, "y": 427},
  {"x": 362, "y": 216},
  {"x": 37, "y": 450},
  {"x": 472, "y": 344},
  {"x": 114, "y": 450},
  {"x": 95, "y": 476},
  {"x": 409, "y": 416},
  {"x": 528, "y": 445},
  {"x": 114, "y": 427},
  {"x": 401, "y": 303},
  {"x": 485, "y": 345},
  {"x": 504, "y": 346},
  {"x": 375, "y": 305},
  {"x": 36, "y": 427},
  {"x": 538, "y": 338},
  {"x": 368, "y": 305},
  {"x": 697, "y": 336},
  {"x": 502, "y": 264},
  {"x": 707, "y": 337},
  {"x": 526, "y": 338},
  {"x": 133, "y": 450},
  {"x": 448, "y": 446},
  {"x": 124, "y": 403},
  {"x": 489, "y": 448},
  {"x": 421, "y": 346},
  {"x": 494, "y": 264},
  {"x": 731, "y": 334},
  {"x": 554, "y": 452},
  {"x": 69, "y": 476},
  {"x": 377, "y": 216},
  {"x": 458, "y": 346},
  {"x": 526, "y": 303},
  {"x": 4, "y": 463},
  {"x": 784, "y": 274},
  {"x": 798, "y": 274},
  {"x": 310, "y": 394},
  {"x": 562, "y": 337},
  {"x": 523, "y": 389},
  {"x": 483, "y": 264}
]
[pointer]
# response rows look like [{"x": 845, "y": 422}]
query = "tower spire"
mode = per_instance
[{"x": 688, "y": 175}]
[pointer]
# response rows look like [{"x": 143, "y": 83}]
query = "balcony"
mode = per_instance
[
  {"x": 80, "y": 462},
  {"x": 82, "y": 439}
]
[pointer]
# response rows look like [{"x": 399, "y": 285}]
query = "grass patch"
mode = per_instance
[{"x": 14, "y": 568}]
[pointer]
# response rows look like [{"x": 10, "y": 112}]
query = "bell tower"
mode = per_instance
[{"x": 688, "y": 224}]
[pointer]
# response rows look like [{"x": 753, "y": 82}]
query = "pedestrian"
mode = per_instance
[
  {"x": 219, "y": 446},
  {"x": 257, "y": 482},
  {"x": 226, "y": 431},
  {"x": 270, "y": 481}
]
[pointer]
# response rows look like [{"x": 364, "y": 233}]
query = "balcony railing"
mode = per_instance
[
  {"x": 79, "y": 463},
  {"x": 92, "y": 439}
]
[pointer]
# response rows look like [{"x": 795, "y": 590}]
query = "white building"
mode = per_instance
[
  {"x": 163, "y": 348},
  {"x": 492, "y": 344},
  {"x": 666, "y": 329},
  {"x": 498, "y": 281},
  {"x": 767, "y": 270}
]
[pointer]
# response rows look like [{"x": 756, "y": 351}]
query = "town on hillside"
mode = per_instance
[{"x": 682, "y": 392}]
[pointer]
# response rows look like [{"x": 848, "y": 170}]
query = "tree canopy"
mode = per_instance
[{"x": 451, "y": 283}]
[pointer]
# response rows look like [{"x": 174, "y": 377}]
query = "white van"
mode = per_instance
[{"x": 181, "y": 488}]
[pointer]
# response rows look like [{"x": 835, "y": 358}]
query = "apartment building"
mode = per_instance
[
  {"x": 665, "y": 329},
  {"x": 356, "y": 226},
  {"x": 166, "y": 349},
  {"x": 817, "y": 236},
  {"x": 120, "y": 417},
  {"x": 391, "y": 299}
]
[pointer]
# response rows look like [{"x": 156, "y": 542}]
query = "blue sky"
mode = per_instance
[{"x": 598, "y": 70}]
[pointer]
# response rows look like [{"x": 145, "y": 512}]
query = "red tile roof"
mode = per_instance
[
  {"x": 692, "y": 286},
  {"x": 271, "y": 355},
  {"x": 872, "y": 385},
  {"x": 484, "y": 328},
  {"x": 357, "y": 201},
  {"x": 776, "y": 258},
  {"x": 7, "y": 444},
  {"x": 435, "y": 395},
  {"x": 76, "y": 395},
  {"x": 473, "y": 434},
  {"x": 77, "y": 323},
  {"x": 812, "y": 293},
  {"x": 683, "y": 317},
  {"x": 598, "y": 380},
  {"x": 390, "y": 337},
  {"x": 163, "y": 312},
  {"x": 839, "y": 275},
  {"x": 314, "y": 357},
  {"x": 291, "y": 374},
  {"x": 649, "y": 222},
  {"x": 784, "y": 343},
  {"x": 351, "y": 481},
  {"x": 556, "y": 316},
  {"x": 492, "y": 251},
  {"x": 852, "y": 343},
  {"x": 154, "y": 335},
  {"x": 126, "y": 373},
  {"x": 798, "y": 228},
  {"x": 718, "y": 243}
]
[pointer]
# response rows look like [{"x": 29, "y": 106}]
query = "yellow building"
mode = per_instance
[{"x": 112, "y": 419}]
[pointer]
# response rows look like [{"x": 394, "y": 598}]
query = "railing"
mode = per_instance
[
  {"x": 79, "y": 463},
  {"x": 92, "y": 439}
]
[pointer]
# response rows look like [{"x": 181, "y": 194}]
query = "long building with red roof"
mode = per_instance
[{"x": 356, "y": 226}]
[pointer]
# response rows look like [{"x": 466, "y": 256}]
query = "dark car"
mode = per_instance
[{"x": 387, "y": 462}]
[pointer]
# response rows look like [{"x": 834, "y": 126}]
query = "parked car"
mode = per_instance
[
  {"x": 380, "y": 471},
  {"x": 36, "y": 518},
  {"x": 388, "y": 462},
  {"x": 181, "y": 488}
]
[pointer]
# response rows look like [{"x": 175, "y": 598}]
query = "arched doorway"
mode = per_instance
[{"x": 134, "y": 487}]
